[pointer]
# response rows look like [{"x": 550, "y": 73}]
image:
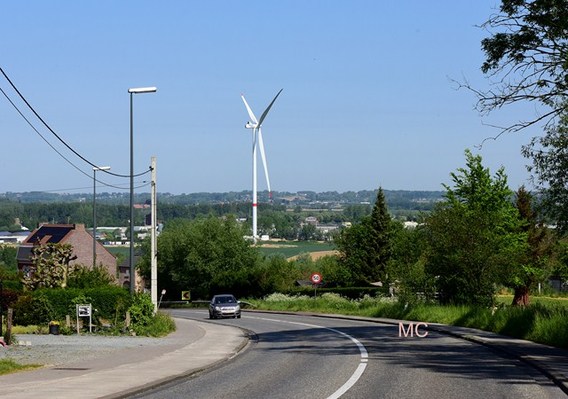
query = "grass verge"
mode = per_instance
[{"x": 8, "y": 366}]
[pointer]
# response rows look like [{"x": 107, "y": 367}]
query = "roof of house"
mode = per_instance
[
  {"x": 24, "y": 254},
  {"x": 49, "y": 233}
]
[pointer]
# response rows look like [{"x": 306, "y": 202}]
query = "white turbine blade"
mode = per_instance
[
  {"x": 267, "y": 109},
  {"x": 263, "y": 157},
  {"x": 251, "y": 115}
]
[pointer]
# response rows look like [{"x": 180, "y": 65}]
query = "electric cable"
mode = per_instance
[
  {"x": 55, "y": 134},
  {"x": 51, "y": 145}
]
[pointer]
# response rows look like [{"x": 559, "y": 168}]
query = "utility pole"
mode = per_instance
[{"x": 153, "y": 246}]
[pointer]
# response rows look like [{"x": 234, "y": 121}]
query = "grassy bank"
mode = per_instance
[
  {"x": 545, "y": 322},
  {"x": 8, "y": 366}
]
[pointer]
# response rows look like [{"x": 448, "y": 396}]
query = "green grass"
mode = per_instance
[
  {"x": 560, "y": 301},
  {"x": 293, "y": 248},
  {"x": 161, "y": 325},
  {"x": 545, "y": 321},
  {"x": 283, "y": 248},
  {"x": 8, "y": 366},
  {"x": 31, "y": 329},
  {"x": 119, "y": 250}
]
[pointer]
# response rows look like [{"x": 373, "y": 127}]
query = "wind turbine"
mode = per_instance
[{"x": 255, "y": 125}]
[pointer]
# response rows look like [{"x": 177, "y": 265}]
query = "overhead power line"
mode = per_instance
[{"x": 55, "y": 134}]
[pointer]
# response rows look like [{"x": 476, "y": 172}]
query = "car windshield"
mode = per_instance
[{"x": 225, "y": 299}]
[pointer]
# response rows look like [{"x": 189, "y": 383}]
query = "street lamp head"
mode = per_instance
[
  {"x": 96, "y": 168},
  {"x": 139, "y": 90}
]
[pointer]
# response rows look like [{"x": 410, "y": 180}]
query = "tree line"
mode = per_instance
[{"x": 481, "y": 238}]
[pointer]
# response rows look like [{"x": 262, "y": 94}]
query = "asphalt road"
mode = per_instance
[{"x": 308, "y": 357}]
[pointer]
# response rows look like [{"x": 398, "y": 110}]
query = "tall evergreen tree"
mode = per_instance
[
  {"x": 380, "y": 246},
  {"x": 366, "y": 247}
]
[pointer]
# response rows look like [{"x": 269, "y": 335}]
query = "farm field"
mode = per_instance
[
  {"x": 287, "y": 249},
  {"x": 290, "y": 249},
  {"x": 122, "y": 250}
]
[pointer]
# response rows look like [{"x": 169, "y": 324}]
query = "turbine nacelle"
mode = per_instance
[{"x": 250, "y": 125}]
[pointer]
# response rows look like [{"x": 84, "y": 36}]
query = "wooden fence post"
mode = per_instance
[{"x": 8, "y": 337}]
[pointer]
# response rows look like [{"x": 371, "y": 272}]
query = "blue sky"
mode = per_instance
[{"x": 368, "y": 97}]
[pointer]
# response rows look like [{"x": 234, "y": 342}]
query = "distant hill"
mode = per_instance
[
  {"x": 286, "y": 216},
  {"x": 396, "y": 199}
]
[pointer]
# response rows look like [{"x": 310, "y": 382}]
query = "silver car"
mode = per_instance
[{"x": 225, "y": 305}]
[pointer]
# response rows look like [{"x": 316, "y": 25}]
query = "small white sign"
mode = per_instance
[{"x": 84, "y": 310}]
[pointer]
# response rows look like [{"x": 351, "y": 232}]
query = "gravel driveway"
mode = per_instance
[{"x": 65, "y": 349}]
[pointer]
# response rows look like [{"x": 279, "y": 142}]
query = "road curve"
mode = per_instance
[{"x": 292, "y": 356}]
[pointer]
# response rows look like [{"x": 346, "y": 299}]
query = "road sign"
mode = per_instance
[
  {"x": 185, "y": 296},
  {"x": 84, "y": 310},
  {"x": 316, "y": 278}
]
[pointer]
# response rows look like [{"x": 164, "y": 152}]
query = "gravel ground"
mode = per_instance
[{"x": 65, "y": 349}]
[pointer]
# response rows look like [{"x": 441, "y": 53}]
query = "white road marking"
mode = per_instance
[{"x": 362, "y": 350}]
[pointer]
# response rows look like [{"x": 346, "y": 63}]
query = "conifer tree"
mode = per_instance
[{"x": 366, "y": 247}]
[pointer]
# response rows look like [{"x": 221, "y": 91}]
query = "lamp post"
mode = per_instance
[
  {"x": 95, "y": 168},
  {"x": 132, "y": 91}
]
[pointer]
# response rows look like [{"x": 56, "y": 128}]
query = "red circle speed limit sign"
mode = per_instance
[{"x": 316, "y": 278}]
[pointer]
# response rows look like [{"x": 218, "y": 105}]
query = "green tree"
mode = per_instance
[
  {"x": 407, "y": 266},
  {"x": 8, "y": 257},
  {"x": 549, "y": 156},
  {"x": 380, "y": 250},
  {"x": 274, "y": 274},
  {"x": 473, "y": 235},
  {"x": 51, "y": 266},
  {"x": 90, "y": 277},
  {"x": 365, "y": 248},
  {"x": 308, "y": 232},
  {"x": 205, "y": 256},
  {"x": 536, "y": 261},
  {"x": 526, "y": 57}
]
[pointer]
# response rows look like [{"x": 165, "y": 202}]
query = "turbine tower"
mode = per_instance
[{"x": 255, "y": 125}]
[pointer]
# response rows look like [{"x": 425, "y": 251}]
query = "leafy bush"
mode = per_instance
[
  {"x": 9, "y": 297},
  {"x": 278, "y": 297},
  {"x": 161, "y": 324},
  {"x": 87, "y": 277},
  {"x": 141, "y": 312},
  {"x": 110, "y": 302},
  {"x": 35, "y": 309}
]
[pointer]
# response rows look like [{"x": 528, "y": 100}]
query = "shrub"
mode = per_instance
[
  {"x": 141, "y": 312},
  {"x": 9, "y": 297},
  {"x": 110, "y": 302},
  {"x": 86, "y": 277},
  {"x": 35, "y": 309},
  {"x": 161, "y": 324}
]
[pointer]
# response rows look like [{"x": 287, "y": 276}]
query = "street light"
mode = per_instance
[
  {"x": 95, "y": 168},
  {"x": 139, "y": 90}
]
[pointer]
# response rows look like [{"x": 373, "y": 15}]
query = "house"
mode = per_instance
[
  {"x": 9, "y": 237},
  {"x": 124, "y": 272},
  {"x": 311, "y": 220},
  {"x": 72, "y": 234}
]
